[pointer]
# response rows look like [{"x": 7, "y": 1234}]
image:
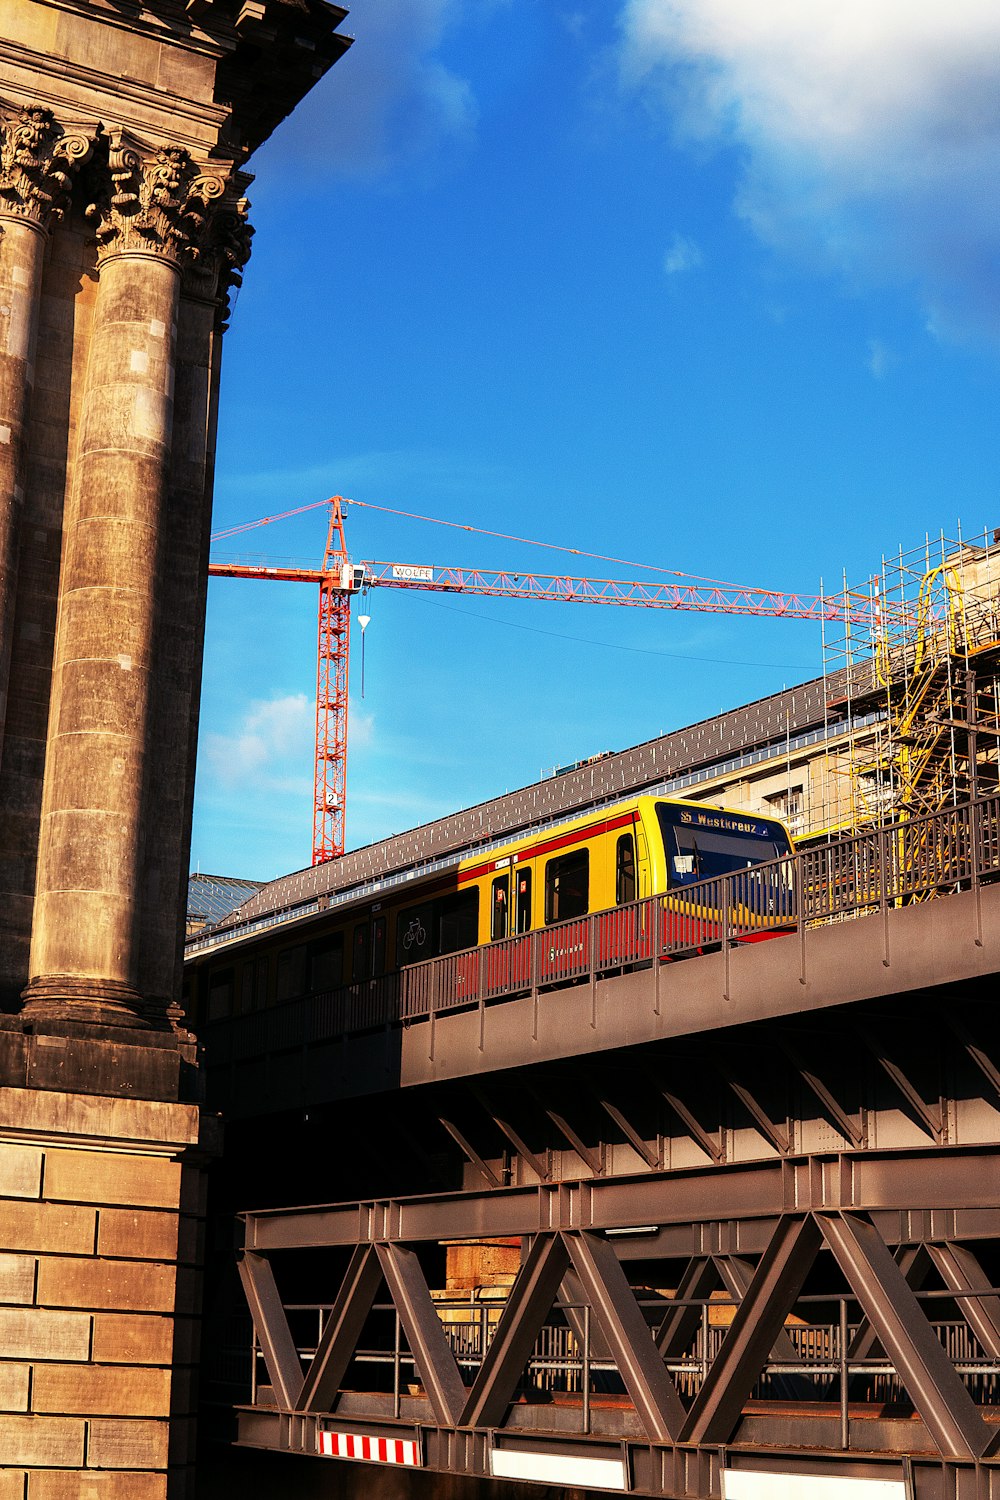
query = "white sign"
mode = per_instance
[
  {"x": 569, "y": 1469},
  {"x": 741, "y": 1484},
  {"x": 410, "y": 573}
]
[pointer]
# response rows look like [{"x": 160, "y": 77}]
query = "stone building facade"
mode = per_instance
[{"x": 125, "y": 126}]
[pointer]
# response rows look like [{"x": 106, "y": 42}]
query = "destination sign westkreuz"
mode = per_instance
[{"x": 413, "y": 572}]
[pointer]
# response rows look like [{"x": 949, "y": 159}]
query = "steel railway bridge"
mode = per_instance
[{"x": 755, "y": 1186}]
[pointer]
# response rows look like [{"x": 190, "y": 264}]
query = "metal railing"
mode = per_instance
[
  {"x": 818, "y": 1361},
  {"x": 901, "y": 863}
]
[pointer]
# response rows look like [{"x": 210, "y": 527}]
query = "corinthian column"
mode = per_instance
[
  {"x": 223, "y": 249},
  {"x": 36, "y": 158},
  {"x": 86, "y": 934}
]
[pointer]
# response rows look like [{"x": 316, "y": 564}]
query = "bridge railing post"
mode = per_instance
[{"x": 536, "y": 937}]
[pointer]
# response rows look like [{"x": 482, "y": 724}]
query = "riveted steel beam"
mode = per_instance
[
  {"x": 959, "y": 1182},
  {"x": 908, "y": 1339},
  {"x": 424, "y": 1334}
]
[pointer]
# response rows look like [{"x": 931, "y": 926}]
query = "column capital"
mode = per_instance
[
  {"x": 221, "y": 248},
  {"x": 37, "y": 157},
  {"x": 152, "y": 200}
]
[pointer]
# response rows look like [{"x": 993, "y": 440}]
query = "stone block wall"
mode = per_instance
[{"x": 100, "y": 1223}]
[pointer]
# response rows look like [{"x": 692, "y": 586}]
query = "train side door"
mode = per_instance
[
  {"x": 522, "y": 899},
  {"x": 500, "y": 906}
]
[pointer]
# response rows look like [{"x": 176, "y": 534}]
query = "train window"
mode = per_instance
[
  {"x": 624, "y": 870},
  {"x": 326, "y": 963},
  {"x": 567, "y": 886},
  {"x": 378, "y": 946},
  {"x": 291, "y": 973},
  {"x": 522, "y": 906},
  {"x": 359, "y": 961},
  {"x": 458, "y": 921},
  {"x": 220, "y": 994},
  {"x": 499, "y": 894}
]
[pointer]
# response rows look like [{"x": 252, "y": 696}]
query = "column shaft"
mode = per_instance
[
  {"x": 85, "y": 941},
  {"x": 179, "y": 649},
  {"x": 22, "y": 253}
]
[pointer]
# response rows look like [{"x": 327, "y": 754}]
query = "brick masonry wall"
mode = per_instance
[{"x": 101, "y": 1216}]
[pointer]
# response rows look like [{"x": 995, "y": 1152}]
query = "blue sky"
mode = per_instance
[{"x": 710, "y": 285}]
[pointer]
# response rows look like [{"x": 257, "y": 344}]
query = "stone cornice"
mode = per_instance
[
  {"x": 37, "y": 158},
  {"x": 85, "y": 93}
]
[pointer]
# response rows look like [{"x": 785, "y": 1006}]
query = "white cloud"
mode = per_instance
[
  {"x": 881, "y": 358},
  {"x": 870, "y": 129},
  {"x": 683, "y": 255},
  {"x": 271, "y": 749},
  {"x": 388, "y": 102}
]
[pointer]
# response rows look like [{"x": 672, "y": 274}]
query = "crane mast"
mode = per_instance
[{"x": 339, "y": 578}]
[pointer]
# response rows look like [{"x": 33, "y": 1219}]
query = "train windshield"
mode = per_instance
[{"x": 703, "y": 844}]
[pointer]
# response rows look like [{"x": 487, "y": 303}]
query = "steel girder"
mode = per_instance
[
  {"x": 958, "y": 1187},
  {"x": 591, "y": 1263}
]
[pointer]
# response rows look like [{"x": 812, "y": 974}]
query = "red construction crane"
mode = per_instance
[{"x": 339, "y": 578}]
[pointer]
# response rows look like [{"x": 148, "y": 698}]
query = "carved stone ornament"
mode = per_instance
[
  {"x": 158, "y": 201},
  {"x": 221, "y": 250},
  {"x": 37, "y": 159}
]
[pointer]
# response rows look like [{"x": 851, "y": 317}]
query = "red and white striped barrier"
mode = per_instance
[{"x": 369, "y": 1450}]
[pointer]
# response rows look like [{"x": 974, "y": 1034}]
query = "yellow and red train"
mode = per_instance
[{"x": 703, "y": 861}]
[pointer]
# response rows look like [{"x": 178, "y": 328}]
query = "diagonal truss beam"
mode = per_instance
[
  {"x": 771, "y": 1131},
  {"x": 694, "y": 1128},
  {"x": 342, "y": 1331},
  {"x": 424, "y": 1334},
  {"x": 976, "y": 1053},
  {"x": 930, "y": 1378},
  {"x": 589, "y": 1155},
  {"x": 961, "y": 1272},
  {"x": 914, "y": 1264},
  {"x": 485, "y": 1171},
  {"x": 629, "y": 1337},
  {"x": 532, "y": 1295},
  {"x": 929, "y": 1116},
  {"x": 737, "y": 1274},
  {"x": 284, "y": 1368},
  {"x": 537, "y": 1165},
  {"x": 759, "y": 1319},
  {"x": 572, "y": 1293},
  {"x": 838, "y": 1115},
  {"x": 644, "y": 1150},
  {"x": 680, "y": 1324}
]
